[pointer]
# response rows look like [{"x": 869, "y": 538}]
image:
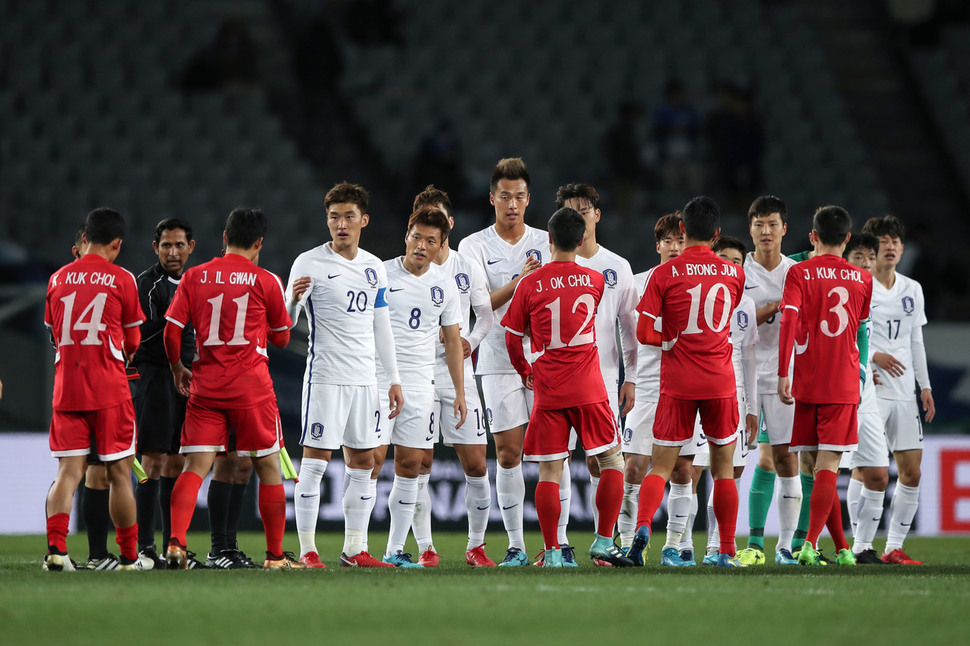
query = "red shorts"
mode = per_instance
[
  {"x": 828, "y": 427},
  {"x": 109, "y": 431},
  {"x": 258, "y": 430},
  {"x": 674, "y": 423},
  {"x": 547, "y": 436}
]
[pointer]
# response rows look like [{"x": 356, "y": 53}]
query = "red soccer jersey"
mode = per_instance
[
  {"x": 694, "y": 294},
  {"x": 824, "y": 301},
  {"x": 232, "y": 304},
  {"x": 557, "y": 305},
  {"x": 89, "y": 303}
]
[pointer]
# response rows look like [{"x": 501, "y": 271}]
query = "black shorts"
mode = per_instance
[{"x": 159, "y": 410}]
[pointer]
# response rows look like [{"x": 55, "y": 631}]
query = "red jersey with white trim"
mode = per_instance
[
  {"x": 557, "y": 305},
  {"x": 695, "y": 294},
  {"x": 233, "y": 305},
  {"x": 89, "y": 303},
  {"x": 829, "y": 298}
]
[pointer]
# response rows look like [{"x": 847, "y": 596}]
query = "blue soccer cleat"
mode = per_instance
[
  {"x": 514, "y": 557},
  {"x": 568, "y": 556},
  {"x": 553, "y": 558},
  {"x": 670, "y": 556},
  {"x": 687, "y": 556},
  {"x": 638, "y": 549},
  {"x": 401, "y": 559},
  {"x": 784, "y": 557},
  {"x": 725, "y": 560}
]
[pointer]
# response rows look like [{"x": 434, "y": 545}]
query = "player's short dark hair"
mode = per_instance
[
  {"x": 887, "y": 225},
  {"x": 104, "y": 226},
  {"x": 728, "y": 242},
  {"x": 244, "y": 227},
  {"x": 702, "y": 218},
  {"x": 347, "y": 193},
  {"x": 831, "y": 224},
  {"x": 434, "y": 197},
  {"x": 170, "y": 224},
  {"x": 668, "y": 225},
  {"x": 766, "y": 205},
  {"x": 861, "y": 241},
  {"x": 578, "y": 191},
  {"x": 566, "y": 228},
  {"x": 431, "y": 216},
  {"x": 78, "y": 236},
  {"x": 510, "y": 168}
]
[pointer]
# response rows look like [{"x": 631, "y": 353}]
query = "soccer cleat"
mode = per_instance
[
  {"x": 710, "y": 559},
  {"x": 109, "y": 562},
  {"x": 687, "y": 556},
  {"x": 638, "y": 549},
  {"x": 784, "y": 557},
  {"x": 568, "y": 556},
  {"x": 751, "y": 556},
  {"x": 539, "y": 558},
  {"x": 899, "y": 557},
  {"x": 808, "y": 555},
  {"x": 150, "y": 553},
  {"x": 604, "y": 551},
  {"x": 312, "y": 561},
  {"x": 361, "y": 559},
  {"x": 129, "y": 564},
  {"x": 553, "y": 558},
  {"x": 56, "y": 562},
  {"x": 285, "y": 561},
  {"x": 401, "y": 559},
  {"x": 194, "y": 563},
  {"x": 670, "y": 556},
  {"x": 824, "y": 560},
  {"x": 241, "y": 557},
  {"x": 514, "y": 557},
  {"x": 726, "y": 560},
  {"x": 176, "y": 556},
  {"x": 845, "y": 557},
  {"x": 868, "y": 557},
  {"x": 429, "y": 558},
  {"x": 476, "y": 557}
]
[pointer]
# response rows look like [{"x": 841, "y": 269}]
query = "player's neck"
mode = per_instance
[
  {"x": 510, "y": 234},
  {"x": 885, "y": 275},
  {"x": 589, "y": 248},
  {"x": 99, "y": 250},
  {"x": 822, "y": 250},
  {"x": 412, "y": 268},
  {"x": 688, "y": 243},
  {"x": 768, "y": 259},
  {"x": 250, "y": 254},
  {"x": 442, "y": 254},
  {"x": 558, "y": 255},
  {"x": 349, "y": 252}
]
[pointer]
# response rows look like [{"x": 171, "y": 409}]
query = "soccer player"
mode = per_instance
[
  {"x": 694, "y": 295},
  {"x": 159, "y": 408},
  {"x": 93, "y": 313},
  {"x": 824, "y": 301},
  {"x": 469, "y": 440},
  {"x": 342, "y": 288},
  {"x": 422, "y": 302},
  {"x": 638, "y": 431},
  {"x": 870, "y": 461},
  {"x": 900, "y": 360},
  {"x": 508, "y": 251},
  {"x": 236, "y": 308},
  {"x": 765, "y": 269},
  {"x": 557, "y": 304},
  {"x": 615, "y": 310}
]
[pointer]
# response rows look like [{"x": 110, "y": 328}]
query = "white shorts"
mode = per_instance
[
  {"x": 904, "y": 429},
  {"x": 614, "y": 399},
  {"x": 415, "y": 426},
  {"x": 703, "y": 456},
  {"x": 776, "y": 418},
  {"x": 473, "y": 430},
  {"x": 508, "y": 403},
  {"x": 335, "y": 416},
  {"x": 638, "y": 430},
  {"x": 873, "y": 448}
]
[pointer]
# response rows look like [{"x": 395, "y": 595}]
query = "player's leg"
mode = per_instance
[
  {"x": 60, "y": 500},
  {"x": 147, "y": 494},
  {"x": 678, "y": 509},
  {"x": 762, "y": 486},
  {"x": 548, "y": 509},
  {"x": 401, "y": 502},
  {"x": 662, "y": 463},
  {"x": 720, "y": 419},
  {"x": 421, "y": 523},
  {"x": 478, "y": 501},
  {"x": 637, "y": 445},
  {"x": 904, "y": 431},
  {"x": 325, "y": 410},
  {"x": 123, "y": 512},
  {"x": 806, "y": 477},
  {"x": 237, "y": 498},
  {"x": 97, "y": 517},
  {"x": 870, "y": 462},
  {"x": 220, "y": 489}
]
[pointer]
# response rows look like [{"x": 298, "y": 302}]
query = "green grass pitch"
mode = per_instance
[{"x": 454, "y": 604}]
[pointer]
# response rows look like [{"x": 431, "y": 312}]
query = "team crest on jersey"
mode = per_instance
[
  {"x": 463, "y": 283},
  {"x": 908, "y": 305},
  {"x": 742, "y": 320},
  {"x": 610, "y": 277},
  {"x": 437, "y": 295},
  {"x": 534, "y": 253},
  {"x": 371, "y": 277},
  {"x": 488, "y": 416},
  {"x": 316, "y": 430},
  {"x": 627, "y": 435}
]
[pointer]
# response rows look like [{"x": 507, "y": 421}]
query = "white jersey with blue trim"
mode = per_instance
[
  {"x": 764, "y": 287},
  {"x": 648, "y": 356},
  {"x": 470, "y": 281},
  {"x": 896, "y": 313},
  {"x": 340, "y": 311},
  {"x": 744, "y": 332}
]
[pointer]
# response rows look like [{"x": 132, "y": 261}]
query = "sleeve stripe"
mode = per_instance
[
  {"x": 135, "y": 324},
  {"x": 171, "y": 320},
  {"x": 278, "y": 329},
  {"x": 515, "y": 332}
]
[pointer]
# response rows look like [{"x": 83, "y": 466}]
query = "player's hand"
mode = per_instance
[
  {"x": 889, "y": 363},
  {"x": 461, "y": 411},
  {"x": 396, "y": 395},
  {"x": 627, "y": 397},
  {"x": 784, "y": 391},
  {"x": 527, "y": 381},
  {"x": 182, "y": 377},
  {"x": 466, "y": 348},
  {"x": 875, "y": 378},
  {"x": 531, "y": 264},
  {"x": 300, "y": 286},
  {"x": 929, "y": 406},
  {"x": 751, "y": 430}
]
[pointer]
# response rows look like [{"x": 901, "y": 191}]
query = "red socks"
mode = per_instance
[
  {"x": 821, "y": 505},
  {"x": 726, "y": 512},
  {"x": 127, "y": 540},
  {"x": 651, "y": 495},
  {"x": 609, "y": 499},
  {"x": 834, "y": 524},
  {"x": 272, "y": 508},
  {"x": 548, "y": 509},
  {"x": 57, "y": 531},
  {"x": 184, "y": 495}
]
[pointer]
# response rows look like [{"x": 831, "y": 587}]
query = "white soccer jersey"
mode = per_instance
[
  {"x": 744, "y": 332},
  {"x": 897, "y": 313},
  {"x": 502, "y": 262},
  {"x": 618, "y": 305},
  {"x": 419, "y": 306},
  {"x": 340, "y": 310},
  {"x": 764, "y": 287},
  {"x": 469, "y": 279},
  {"x": 648, "y": 356}
]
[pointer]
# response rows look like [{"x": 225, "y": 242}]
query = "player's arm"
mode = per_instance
[
  {"x": 154, "y": 310},
  {"x": 513, "y": 341},
  {"x": 132, "y": 341},
  {"x": 455, "y": 359},
  {"x": 921, "y": 370},
  {"x": 647, "y": 332},
  {"x": 172, "y": 339},
  {"x": 627, "y": 322},
  {"x": 503, "y": 294},
  {"x": 786, "y": 344},
  {"x": 386, "y": 351},
  {"x": 766, "y": 311},
  {"x": 277, "y": 316},
  {"x": 482, "y": 307}
]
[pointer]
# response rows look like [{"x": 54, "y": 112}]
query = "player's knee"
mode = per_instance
[
  {"x": 612, "y": 461},
  {"x": 876, "y": 480},
  {"x": 508, "y": 457}
]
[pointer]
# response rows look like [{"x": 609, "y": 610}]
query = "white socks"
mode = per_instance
[
  {"x": 565, "y": 498},
  {"x": 358, "y": 503},
  {"x": 687, "y": 538},
  {"x": 713, "y": 534},
  {"x": 852, "y": 495},
  {"x": 626, "y": 523},
  {"x": 401, "y": 503},
  {"x": 478, "y": 502},
  {"x": 902, "y": 510},
  {"x": 306, "y": 502},
  {"x": 869, "y": 514},
  {"x": 594, "y": 484},
  {"x": 789, "y": 506},
  {"x": 510, "y": 493},
  {"x": 678, "y": 511},
  {"x": 421, "y": 524}
]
